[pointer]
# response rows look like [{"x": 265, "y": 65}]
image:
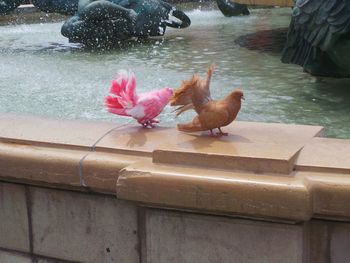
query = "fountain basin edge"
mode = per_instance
[{"x": 261, "y": 170}]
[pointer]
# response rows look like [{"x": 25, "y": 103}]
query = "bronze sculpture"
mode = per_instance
[
  {"x": 319, "y": 37},
  {"x": 229, "y": 8},
  {"x": 107, "y": 22},
  {"x": 7, "y": 6},
  {"x": 67, "y": 7}
]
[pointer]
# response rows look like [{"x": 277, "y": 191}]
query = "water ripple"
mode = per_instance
[{"x": 43, "y": 74}]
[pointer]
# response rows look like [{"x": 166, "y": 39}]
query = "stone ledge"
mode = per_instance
[
  {"x": 216, "y": 191},
  {"x": 40, "y": 164},
  {"x": 330, "y": 194},
  {"x": 260, "y": 170},
  {"x": 31, "y": 130},
  {"x": 325, "y": 155},
  {"x": 297, "y": 197},
  {"x": 256, "y": 147},
  {"x": 101, "y": 170}
]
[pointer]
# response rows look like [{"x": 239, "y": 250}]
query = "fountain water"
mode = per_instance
[{"x": 43, "y": 74}]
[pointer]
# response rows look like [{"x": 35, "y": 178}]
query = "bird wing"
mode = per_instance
[
  {"x": 201, "y": 91},
  {"x": 123, "y": 95},
  {"x": 151, "y": 106},
  {"x": 192, "y": 93},
  {"x": 114, "y": 106},
  {"x": 124, "y": 88},
  {"x": 315, "y": 26}
]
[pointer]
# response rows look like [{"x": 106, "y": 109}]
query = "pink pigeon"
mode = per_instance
[{"x": 144, "y": 107}]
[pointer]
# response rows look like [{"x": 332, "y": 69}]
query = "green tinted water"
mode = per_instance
[{"x": 42, "y": 74}]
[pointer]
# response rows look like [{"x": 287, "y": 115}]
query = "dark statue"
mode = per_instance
[
  {"x": 229, "y": 8},
  {"x": 107, "y": 22},
  {"x": 319, "y": 37},
  {"x": 7, "y": 6},
  {"x": 67, "y": 7}
]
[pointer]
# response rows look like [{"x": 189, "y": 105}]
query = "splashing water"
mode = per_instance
[{"x": 42, "y": 74}]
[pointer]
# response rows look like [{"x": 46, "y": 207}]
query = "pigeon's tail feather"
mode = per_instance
[
  {"x": 190, "y": 127},
  {"x": 122, "y": 93}
]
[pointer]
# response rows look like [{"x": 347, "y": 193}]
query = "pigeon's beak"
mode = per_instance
[{"x": 243, "y": 98}]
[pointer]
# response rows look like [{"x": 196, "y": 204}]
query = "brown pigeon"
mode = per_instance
[{"x": 195, "y": 94}]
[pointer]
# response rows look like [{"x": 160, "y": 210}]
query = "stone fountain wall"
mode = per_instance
[
  {"x": 46, "y": 225},
  {"x": 74, "y": 191}
]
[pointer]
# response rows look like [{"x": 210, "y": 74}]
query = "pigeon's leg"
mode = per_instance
[
  {"x": 143, "y": 123},
  {"x": 154, "y": 121},
  {"x": 211, "y": 133},
  {"x": 222, "y": 133},
  {"x": 146, "y": 123},
  {"x": 149, "y": 123}
]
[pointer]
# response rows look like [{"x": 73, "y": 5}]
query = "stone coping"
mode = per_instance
[{"x": 261, "y": 170}]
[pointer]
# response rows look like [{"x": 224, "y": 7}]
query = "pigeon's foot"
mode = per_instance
[
  {"x": 218, "y": 134},
  {"x": 154, "y": 121},
  {"x": 221, "y": 133},
  {"x": 149, "y": 123}
]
